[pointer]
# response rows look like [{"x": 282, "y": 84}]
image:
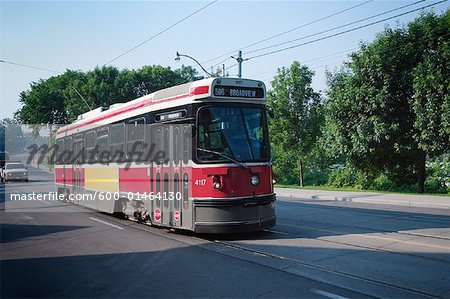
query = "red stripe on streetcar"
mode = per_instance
[
  {"x": 134, "y": 180},
  {"x": 146, "y": 102},
  {"x": 200, "y": 90}
]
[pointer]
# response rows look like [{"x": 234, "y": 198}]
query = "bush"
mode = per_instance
[
  {"x": 339, "y": 178},
  {"x": 285, "y": 166},
  {"x": 382, "y": 183},
  {"x": 438, "y": 176}
]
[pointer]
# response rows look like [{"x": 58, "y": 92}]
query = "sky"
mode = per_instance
[{"x": 80, "y": 35}]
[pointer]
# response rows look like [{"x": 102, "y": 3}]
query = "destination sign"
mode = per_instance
[
  {"x": 170, "y": 115},
  {"x": 238, "y": 92}
]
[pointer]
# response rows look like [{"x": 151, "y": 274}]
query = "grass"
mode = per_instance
[{"x": 328, "y": 188}]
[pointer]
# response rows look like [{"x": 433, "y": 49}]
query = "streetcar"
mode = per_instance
[{"x": 191, "y": 157}]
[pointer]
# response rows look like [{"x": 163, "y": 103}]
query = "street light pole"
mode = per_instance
[{"x": 183, "y": 55}]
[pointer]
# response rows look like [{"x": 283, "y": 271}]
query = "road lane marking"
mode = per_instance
[
  {"x": 107, "y": 223},
  {"x": 327, "y": 294}
]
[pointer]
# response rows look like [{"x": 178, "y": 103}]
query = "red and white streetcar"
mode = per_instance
[{"x": 194, "y": 156}]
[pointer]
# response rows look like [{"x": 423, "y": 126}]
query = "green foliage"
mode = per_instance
[
  {"x": 56, "y": 99},
  {"x": 382, "y": 182},
  {"x": 389, "y": 106},
  {"x": 348, "y": 177},
  {"x": 285, "y": 168},
  {"x": 12, "y": 139},
  {"x": 340, "y": 178},
  {"x": 296, "y": 124},
  {"x": 432, "y": 100},
  {"x": 438, "y": 180}
]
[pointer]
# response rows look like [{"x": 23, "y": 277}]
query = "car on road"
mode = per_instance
[{"x": 14, "y": 171}]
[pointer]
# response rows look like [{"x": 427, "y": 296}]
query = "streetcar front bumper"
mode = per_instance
[{"x": 234, "y": 215}]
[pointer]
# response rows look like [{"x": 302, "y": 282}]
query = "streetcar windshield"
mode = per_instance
[{"x": 237, "y": 133}]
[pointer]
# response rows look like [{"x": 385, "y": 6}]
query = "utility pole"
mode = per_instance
[
  {"x": 223, "y": 70},
  {"x": 239, "y": 61}
]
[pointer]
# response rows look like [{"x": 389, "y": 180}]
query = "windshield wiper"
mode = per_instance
[{"x": 223, "y": 156}]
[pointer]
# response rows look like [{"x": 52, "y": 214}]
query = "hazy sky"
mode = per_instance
[{"x": 80, "y": 35}]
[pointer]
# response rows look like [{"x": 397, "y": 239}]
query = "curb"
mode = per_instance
[{"x": 421, "y": 201}]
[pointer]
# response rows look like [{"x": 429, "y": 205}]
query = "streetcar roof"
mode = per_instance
[{"x": 170, "y": 97}]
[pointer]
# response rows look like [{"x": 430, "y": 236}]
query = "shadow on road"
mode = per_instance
[{"x": 15, "y": 232}]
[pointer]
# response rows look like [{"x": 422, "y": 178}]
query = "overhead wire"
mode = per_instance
[
  {"x": 161, "y": 32},
  {"x": 337, "y": 27},
  {"x": 288, "y": 31},
  {"x": 30, "y": 66},
  {"x": 344, "y": 32},
  {"x": 48, "y": 70},
  {"x": 320, "y": 59}
]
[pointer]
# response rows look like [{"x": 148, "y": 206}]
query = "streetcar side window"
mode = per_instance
[
  {"x": 186, "y": 138},
  {"x": 176, "y": 145},
  {"x": 185, "y": 190},
  {"x": 117, "y": 142},
  {"x": 176, "y": 190},
  {"x": 135, "y": 138},
  {"x": 158, "y": 190},
  {"x": 77, "y": 147},
  {"x": 166, "y": 145},
  {"x": 102, "y": 143},
  {"x": 159, "y": 144},
  {"x": 165, "y": 196},
  {"x": 66, "y": 156},
  {"x": 59, "y": 151},
  {"x": 89, "y": 143}
]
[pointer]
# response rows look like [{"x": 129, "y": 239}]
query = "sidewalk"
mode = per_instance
[{"x": 412, "y": 200}]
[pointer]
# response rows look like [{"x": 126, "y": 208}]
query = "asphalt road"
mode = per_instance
[{"x": 317, "y": 250}]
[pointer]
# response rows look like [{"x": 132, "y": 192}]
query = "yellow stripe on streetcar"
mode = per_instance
[{"x": 103, "y": 179}]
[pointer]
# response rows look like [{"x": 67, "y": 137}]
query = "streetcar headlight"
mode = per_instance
[
  {"x": 254, "y": 180},
  {"x": 216, "y": 182}
]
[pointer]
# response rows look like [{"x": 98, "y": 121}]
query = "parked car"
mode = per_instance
[{"x": 14, "y": 171}]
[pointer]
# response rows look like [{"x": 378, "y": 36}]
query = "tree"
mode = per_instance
[
  {"x": 12, "y": 138},
  {"x": 60, "y": 99},
  {"x": 377, "y": 108},
  {"x": 43, "y": 103},
  {"x": 187, "y": 74},
  {"x": 431, "y": 102},
  {"x": 296, "y": 124}
]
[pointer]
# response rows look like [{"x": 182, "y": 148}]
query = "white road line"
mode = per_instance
[
  {"x": 327, "y": 294},
  {"x": 107, "y": 223}
]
